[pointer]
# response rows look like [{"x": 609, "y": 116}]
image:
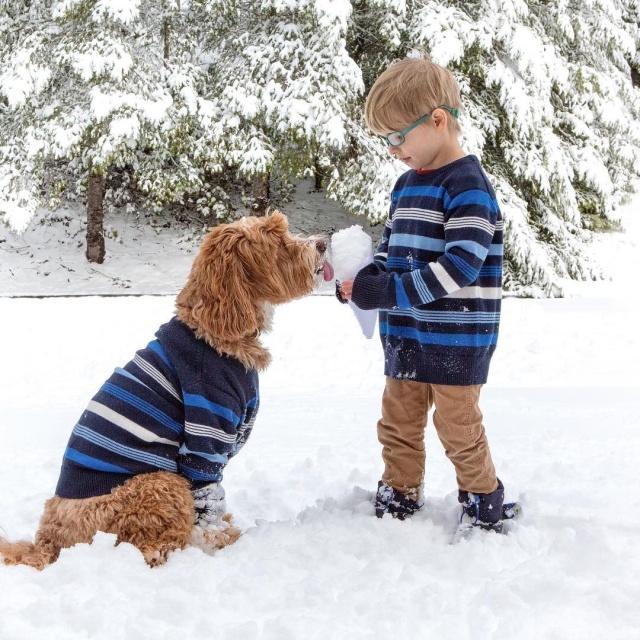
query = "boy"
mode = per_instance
[{"x": 436, "y": 278}]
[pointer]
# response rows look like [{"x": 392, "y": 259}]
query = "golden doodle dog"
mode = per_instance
[{"x": 145, "y": 459}]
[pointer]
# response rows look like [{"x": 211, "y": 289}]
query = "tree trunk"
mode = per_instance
[
  {"x": 261, "y": 194},
  {"x": 95, "y": 217},
  {"x": 166, "y": 28},
  {"x": 317, "y": 175}
]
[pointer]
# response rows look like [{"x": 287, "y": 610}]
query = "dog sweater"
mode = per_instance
[
  {"x": 437, "y": 276},
  {"x": 178, "y": 406}
]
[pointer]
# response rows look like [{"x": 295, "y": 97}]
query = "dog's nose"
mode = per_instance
[{"x": 321, "y": 245}]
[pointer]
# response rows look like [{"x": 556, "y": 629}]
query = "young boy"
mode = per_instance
[{"x": 436, "y": 278}]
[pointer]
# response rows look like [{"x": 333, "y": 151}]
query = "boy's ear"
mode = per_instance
[{"x": 439, "y": 117}]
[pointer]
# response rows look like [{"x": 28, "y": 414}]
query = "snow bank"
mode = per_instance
[
  {"x": 314, "y": 562},
  {"x": 561, "y": 413}
]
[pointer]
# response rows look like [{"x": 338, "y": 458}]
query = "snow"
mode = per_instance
[
  {"x": 24, "y": 80},
  {"x": 351, "y": 249},
  {"x": 561, "y": 414}
]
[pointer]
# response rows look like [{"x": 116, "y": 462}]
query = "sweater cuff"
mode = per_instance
[{"x": 373, "y": 288}]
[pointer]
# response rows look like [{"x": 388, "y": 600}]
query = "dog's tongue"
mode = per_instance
[{"x": 327, "y": 271}]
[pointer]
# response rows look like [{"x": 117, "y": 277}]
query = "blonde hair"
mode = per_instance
[{"x": 407, "y": 90}]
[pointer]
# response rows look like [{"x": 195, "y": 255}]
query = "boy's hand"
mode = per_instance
[{"x": 344, "y": 290}]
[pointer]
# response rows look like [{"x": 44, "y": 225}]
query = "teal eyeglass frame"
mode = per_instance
[{"x": 396, "y": 138}]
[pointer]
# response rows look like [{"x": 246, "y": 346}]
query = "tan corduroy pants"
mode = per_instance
[{"x": 458, "y": 422}]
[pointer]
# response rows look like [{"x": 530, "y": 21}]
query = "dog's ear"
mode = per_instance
[
  {"x": 216, "y": 300},
  {"x": 276, "y": 222}
]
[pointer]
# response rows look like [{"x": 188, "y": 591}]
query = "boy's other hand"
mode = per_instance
[{"x": 344, "y": 290}]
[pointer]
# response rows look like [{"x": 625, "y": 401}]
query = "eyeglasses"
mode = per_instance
[{"x": 396, "y": 138}]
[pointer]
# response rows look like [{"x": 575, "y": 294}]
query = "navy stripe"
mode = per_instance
[
  {"x": 194, "y": 474},
  {"x": 444, "y": 339}
]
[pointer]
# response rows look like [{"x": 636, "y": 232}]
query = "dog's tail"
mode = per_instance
[{"x": 27, "y": 553}]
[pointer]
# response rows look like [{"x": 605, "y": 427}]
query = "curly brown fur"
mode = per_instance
[
  {"x": 210, "y": 540},
  {"x": 242, "y": 267},
  {"x": 153, "y": 511}
]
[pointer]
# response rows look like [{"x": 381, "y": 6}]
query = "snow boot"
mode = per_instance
[
  {"x": 399, "y": 505},
  {"x": 481, "y": 511}
]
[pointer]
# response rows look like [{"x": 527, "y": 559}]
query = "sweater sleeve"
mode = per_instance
[
  {"x": 380, "y": 256},
  {"x": 470, "y": 218}
]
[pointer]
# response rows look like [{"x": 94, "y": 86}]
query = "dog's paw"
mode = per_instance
[{"x": 213, "y": 538}]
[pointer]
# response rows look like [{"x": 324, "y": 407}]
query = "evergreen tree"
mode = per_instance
[
  {"x": 282, "y": 86},
  {"x": 18, "y": 20},
  {"x": 89, "y": 93},
  {"x": 186, "y": 100},
  {"x": 364, "y": 175},
  {"x": 549, "y": 107}
]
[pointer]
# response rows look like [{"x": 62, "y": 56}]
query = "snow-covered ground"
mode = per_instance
[
  {"x": 146, "y": 254},
  {"x": 561, "y": 411}
]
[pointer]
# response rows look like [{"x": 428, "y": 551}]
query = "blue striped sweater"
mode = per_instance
[
  {"x": 177, "y": 406},
  {"x": 437, "y": 276}
]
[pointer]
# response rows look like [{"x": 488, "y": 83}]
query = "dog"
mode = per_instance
[{"x": 145, "y": 460}]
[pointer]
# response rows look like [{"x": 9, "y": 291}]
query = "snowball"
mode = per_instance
[{"x": 351, "y": 249}]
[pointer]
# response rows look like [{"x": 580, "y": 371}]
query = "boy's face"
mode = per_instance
[{"x": 429, "y": 145}]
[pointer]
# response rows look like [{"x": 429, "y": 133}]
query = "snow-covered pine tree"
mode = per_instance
[
  {"x": 18, "y": 20},
  {"x": 364, "y": 174},
  {"x": 283, "y": 86},
  {"x": 183, "y": 96},
  {"x": 549, "y": 107},
  {"x": 101, "y": 86}
]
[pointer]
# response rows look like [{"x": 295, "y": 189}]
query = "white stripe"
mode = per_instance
[
  {"x": 209, "y": 432},
  {"x": 128, "y": 452},
  {"x": 470, "y": 221},
  {"x": 152, "y": 372},
  {"x": 126, "y": 424},
  {"x": 444, "y": 317},
  {"x": 421, "y": 211},
  {"x": 483, "y": 293},
  {"x": 419, "y": 214},
  {"x": 447, "y": 282}
]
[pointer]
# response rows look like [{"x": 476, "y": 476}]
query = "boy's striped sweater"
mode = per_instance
[
  {"x": 437, "y": 276},
  {"x": 177, "y": 406}
]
